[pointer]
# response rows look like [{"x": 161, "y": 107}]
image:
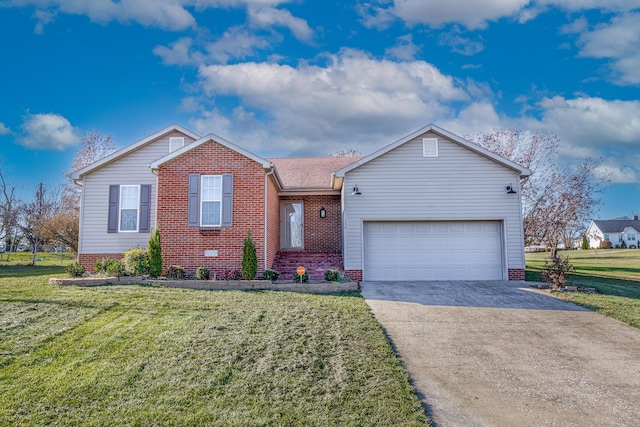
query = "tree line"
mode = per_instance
[{"x": 50, "y": 218}]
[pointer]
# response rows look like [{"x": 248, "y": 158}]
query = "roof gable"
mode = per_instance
[
  {"x": 77, "y": 175},
  {"x": 443, "y": 133},
  {"x": 211, "y": 138}
]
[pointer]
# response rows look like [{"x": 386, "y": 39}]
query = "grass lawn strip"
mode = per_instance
[
  {"x": 131, "y": 355},
  {"x": 615, "y": 274}
]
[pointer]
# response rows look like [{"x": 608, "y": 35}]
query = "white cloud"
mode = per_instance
[
  {"x": 459, "y": 44},
  {"x": 47, "y": 132},
  {"x": 353, "y": 95},
  {"x": 404, "y": 49},
  {"x": 267, "y": 17},
  {"x": 4, "y": 130},
  {"x": 377, "y": 17},
  {"x": 178, "y": 53},
  {"x": 578, "y": 26},
  {"x": 43, "y": 17}
]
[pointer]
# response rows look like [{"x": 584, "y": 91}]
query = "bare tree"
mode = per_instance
[
  {"x": 346, "y": 152},
  {"x": 556, "y": 200},
  {"x": 9, "y": 208},
  {"x": 33, "y": 218}
]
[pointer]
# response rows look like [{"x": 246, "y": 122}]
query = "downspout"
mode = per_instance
[{"x": 266, "y": 175}]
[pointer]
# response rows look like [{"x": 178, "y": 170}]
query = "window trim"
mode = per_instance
[
  {"x": 202, "y": 200},
  {"x": 120, "y": 208}
]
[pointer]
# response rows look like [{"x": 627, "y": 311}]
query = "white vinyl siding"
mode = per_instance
[
  {"x": 211, "y": 201},
  {"x": 129, "y": 204},
  {"x": 458, "y": 185},
  {"x": 132, "y": 168}
]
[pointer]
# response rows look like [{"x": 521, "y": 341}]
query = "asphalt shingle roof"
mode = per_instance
[
  {"x": 616, "y": 225},
  {"x": 309, "y": 172}
]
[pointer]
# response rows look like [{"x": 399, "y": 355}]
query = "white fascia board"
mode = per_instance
[
  {"x": 446, "y": 134},
  {"x": 77, "y": 175}
]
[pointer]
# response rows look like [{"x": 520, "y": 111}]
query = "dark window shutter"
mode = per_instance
[
  {"x": 194, "y": 200},
  {"x": 114, "y": 199},
  {"x": 227, "y": 200},
  {"x": 145, "y": 209}
]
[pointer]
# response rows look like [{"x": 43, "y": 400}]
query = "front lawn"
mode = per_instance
[
  {"x": 132, "y": 355},
  {"x": 615, "y": 273}
]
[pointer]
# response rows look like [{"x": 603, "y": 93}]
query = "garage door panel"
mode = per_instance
[{"x": 453, "y": 250}]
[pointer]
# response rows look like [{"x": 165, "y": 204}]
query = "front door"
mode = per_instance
[{"x": 291, "y": 225}]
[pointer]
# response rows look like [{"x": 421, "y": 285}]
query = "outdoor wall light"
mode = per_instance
[
  {"x": 356, "y": 192},
  {"x": 510, "y": 190},
  {"x": 323, "y": 213}
]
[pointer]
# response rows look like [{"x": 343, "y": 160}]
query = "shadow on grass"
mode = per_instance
[
  {"x": 610, "y": 269},
  {"x": 18, "y": 271}
]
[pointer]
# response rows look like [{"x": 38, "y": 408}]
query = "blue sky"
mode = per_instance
[{"x": 291, "y": 78}]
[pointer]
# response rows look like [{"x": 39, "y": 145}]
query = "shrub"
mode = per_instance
[
  {"x": 136, "y": 262},
  {"x": 249, "y": 258},
  {"x": 271, "y": 275},
  {"x": 75, "y": 269},
  {"x": 232, "y": 274},
  {"x": 555, "y": 271},
  {"x": 632, "y": 247},
  {"x": 305, "y": 277},
  {"x": 623, "y": 245},
  {"x": 175, "y": 272},
  {"x": 585, "y": 242},
  {"x": 202, "y": 273},
  {"x": 332, "y": 275},
  {"x": 100, "y": 266},
  {"x": 605, "y": 244},
  {"x": 155, "y": 254},
  {"x": 113, "y": 267}
]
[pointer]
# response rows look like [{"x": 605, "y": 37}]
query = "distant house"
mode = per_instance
[
  {"x": 614, "y": 230},
  {"x": 430, "y": 206}
]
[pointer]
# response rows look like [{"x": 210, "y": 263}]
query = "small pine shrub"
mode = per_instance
[
  {"x": 332, "y": 275},
  {"x": 585, "y": 242},
  {"x": 232, "y": 274},
  {"x": 555, "y": 271},
  {"x": 75, "y": 269},
  {"x": 202, "y": 273},
  {"x": 605, "y": 244},
  {"x": 623, "y": 245},
  {"x": 155, "y": 254},
  {"x": 305, "y": 277},
  {"x": 175, "y": 272},
  {"x": 136, "y": 262},
  {"x": 249, "y": 258},
  {"x": 271, "y": 275}
]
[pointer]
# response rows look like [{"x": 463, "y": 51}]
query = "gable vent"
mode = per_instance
[
  {"x": 175, "y": 143},
  {"x": 429, "y": 147}
]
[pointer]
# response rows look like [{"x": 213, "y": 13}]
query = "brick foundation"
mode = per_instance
[
  {"x": 88, "y": 261},
  {"x": 516, "y": 274},
  {"x": 355, "y": 275}
]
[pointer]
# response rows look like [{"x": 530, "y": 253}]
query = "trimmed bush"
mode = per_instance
[
  {"x": 100, "y": 266},
  {"x": 202, "y": 273},
  {"x": 555, "y": 271},
  {"x": 155, "y": 254},
  {"x": 632, "y": 247},
  {"x": 75, "y": 269},
  {"x": 175, "y": 272},
  {"x": 232, "y": 274},
  {"x": 114, "y": 267},
  {"x": 305, "y": 277},
  {"x": 136, "y": 262},
  {"x": 605, "y": 244},
  {"x": 271, "y": 275},
  {"x": 585, "y": 242},
  {"x": 332, "y": 275},
  {"x": 249, "y": 258}
]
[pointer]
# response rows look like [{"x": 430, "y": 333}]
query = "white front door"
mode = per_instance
[{"x": 291, "y": 225}]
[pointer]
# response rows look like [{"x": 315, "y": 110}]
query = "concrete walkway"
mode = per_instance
[{"x": 502, "y": 354}]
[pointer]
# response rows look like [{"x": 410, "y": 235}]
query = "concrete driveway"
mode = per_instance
[{"x": 502, "y": 354}]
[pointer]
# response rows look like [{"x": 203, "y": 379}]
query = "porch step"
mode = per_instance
[{"x": 316, "y": 263}]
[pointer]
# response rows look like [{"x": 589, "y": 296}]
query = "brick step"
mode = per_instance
[{"x": 287, "y": 262}]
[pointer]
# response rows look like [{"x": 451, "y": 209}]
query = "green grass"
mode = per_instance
[
  {"x": 614, "y": 273},
  {"x": 132, "y": 355}
]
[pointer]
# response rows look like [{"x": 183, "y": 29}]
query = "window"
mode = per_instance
[
  {"x": 620, "y": 238},
  {"x": 606, "y": 237},
  {"x": 429, "y": 147},
  {"x": 631, "y": 237},
  {"x": 211, "y": 201},
  {"x": 175, "y": 143},
  {"x": 129, "y": 203}
]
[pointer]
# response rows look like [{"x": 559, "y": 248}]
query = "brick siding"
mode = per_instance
[
  {"x": 516, "y": 274},
  {"x": 88, "y": 261},
  {"x": 321, "y": 234}
]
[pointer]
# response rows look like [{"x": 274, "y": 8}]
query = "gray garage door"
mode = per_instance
[{"x": 442, "y": 250}]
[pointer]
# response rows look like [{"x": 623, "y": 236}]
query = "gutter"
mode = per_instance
[{"x": 266, "y": 175}]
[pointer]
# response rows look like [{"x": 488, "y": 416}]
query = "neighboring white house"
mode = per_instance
[{"x": 614, "y": 230}]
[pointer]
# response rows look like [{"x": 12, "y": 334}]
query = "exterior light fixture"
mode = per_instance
[
  {"x": 356, "y": 192},
  {"x": 323, "y": 213},
  {"x": 510, "y": 190}
]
